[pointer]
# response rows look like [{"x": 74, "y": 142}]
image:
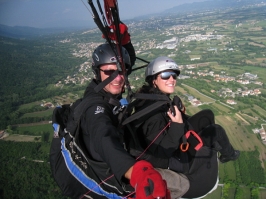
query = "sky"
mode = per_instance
[{"x": 63, "y": 13}]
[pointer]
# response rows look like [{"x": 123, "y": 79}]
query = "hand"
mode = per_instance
[
  {"x": 148, "y": 182},
  {"x": 177, "y": 117}
]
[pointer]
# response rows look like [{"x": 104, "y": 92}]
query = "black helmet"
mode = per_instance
[
  {"x": 160, "y": 64},
  {"x": 105, "y": 54}
]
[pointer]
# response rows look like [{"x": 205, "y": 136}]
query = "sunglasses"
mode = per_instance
[
  {"x": 110, "y": 72},
  {"x": 166, "y": 75}
]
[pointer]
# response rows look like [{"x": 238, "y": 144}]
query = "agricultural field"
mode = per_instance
[
  {"x": 47, "y": 112},
  {"x": 33, "y": 128},
  {"x": 22, "y": 138},
  {"x": 235, "y": 124}
]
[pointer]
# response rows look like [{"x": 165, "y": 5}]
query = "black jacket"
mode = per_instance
[
  {"x": 148, "y": 127},
  {"x": 168, "y": 142},
  {"x": 101, "y": 135}
]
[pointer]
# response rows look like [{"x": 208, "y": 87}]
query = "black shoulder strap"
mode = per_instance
[
  {"x": 148, "y": 96},
  {"x": 101, "y": 85},
  {"x": 160, "y": 100},
  {"x": 74, "y": 122},
  {"x": 83, "y": 105},
  {"x": 86, "y": 102},
  {"x": 143, "y": 112}
]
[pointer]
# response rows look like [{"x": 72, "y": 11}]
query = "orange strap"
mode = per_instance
[{"x": 184, "y": 146}]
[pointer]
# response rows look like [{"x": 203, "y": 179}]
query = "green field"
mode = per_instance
[
  {"x": 35, "y": 128},
  {"x": 22, "y": 138},
  {"x": 38, "y": 114}
]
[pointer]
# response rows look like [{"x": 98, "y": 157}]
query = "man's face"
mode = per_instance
[{"x": 116, "y": 86}]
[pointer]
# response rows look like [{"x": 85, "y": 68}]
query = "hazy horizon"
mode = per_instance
[{"x": 69, "y": 13}]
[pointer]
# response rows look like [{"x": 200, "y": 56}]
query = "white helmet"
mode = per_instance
[{"x": 161, "y": 64}]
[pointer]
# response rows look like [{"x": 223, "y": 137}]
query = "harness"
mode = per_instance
[{"x": 160, "y": 100}]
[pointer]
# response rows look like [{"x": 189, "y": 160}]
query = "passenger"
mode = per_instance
[
  {"x": 199, "y": 166},
  {"x": 100, "y": 129}
]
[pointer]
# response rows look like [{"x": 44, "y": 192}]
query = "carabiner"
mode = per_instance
[{"x": 184, "y": 146}]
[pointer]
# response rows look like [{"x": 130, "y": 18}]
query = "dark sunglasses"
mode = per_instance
[
  {"x": 110, "y": 72},
  {"x": 166, "y": 75}
]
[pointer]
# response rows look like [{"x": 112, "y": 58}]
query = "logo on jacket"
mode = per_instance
[{"x": 99, "y": 109}]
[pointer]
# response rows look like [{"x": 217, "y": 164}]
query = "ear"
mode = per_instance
[
  {"x": 97, "y": 74},
  {"x": 154, "y": 83}
]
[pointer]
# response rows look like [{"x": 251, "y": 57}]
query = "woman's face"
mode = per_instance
[{"x": 166, "y": 81}]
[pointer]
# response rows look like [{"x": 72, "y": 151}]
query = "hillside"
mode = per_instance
[
  {"x": 21, "y": 32},
  {"x": 29, "y": 70}
]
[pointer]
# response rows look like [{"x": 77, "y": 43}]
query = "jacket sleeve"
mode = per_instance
[
  {"x": 102, "y": 139},
  {"x": 168, "y": 141}
]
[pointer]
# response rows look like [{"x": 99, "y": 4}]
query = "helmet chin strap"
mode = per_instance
[{"x": 102, "y": 84}]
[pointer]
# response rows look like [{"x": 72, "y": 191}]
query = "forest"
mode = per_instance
[
  {"x": 28, "y": 67},
  {"x": 25, "y": 171}
]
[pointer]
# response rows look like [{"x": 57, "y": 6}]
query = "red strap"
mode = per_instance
[
  {"x": 123, "y": 31},
  {"x": 108, "y": 4},
  {"x": 200, "y": 144},
  {"x": 111, "y": 3}
]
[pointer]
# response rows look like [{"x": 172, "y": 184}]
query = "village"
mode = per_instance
[{"x": 188, "y": 71}]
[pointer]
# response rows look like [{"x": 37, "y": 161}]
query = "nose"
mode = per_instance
[
  {"x": 119, "y": 76},
  {"x": 171, "y": 78}
]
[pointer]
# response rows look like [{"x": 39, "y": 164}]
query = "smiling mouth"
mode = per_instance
[{"x": 118, "y": 84}]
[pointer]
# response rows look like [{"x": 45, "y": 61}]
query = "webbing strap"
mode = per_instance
[
  {"x": 160, "y": 100},
  {"x": 101, "y": 85},
  {"x": 148, "y": 96},
  {"x": 114, "y": 102},
  {"x": 82, "y": 106},
  {"x": 143, "y": 112}
]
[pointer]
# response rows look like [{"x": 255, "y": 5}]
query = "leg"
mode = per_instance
[
  {"x": 215, "y": 136},
  {"x": 177, "y": 183},
  {"x": 201, "y": 120},
  {"x": 203, "y": 173}
]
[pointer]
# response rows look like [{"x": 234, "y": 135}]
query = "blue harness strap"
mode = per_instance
[{"x": 88, "y": 182}]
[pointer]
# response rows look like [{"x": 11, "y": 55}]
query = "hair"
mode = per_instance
[{"x": 148, "y": 86}]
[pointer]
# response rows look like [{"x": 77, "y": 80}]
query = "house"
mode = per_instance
[
  {"x": 195, "y": 58},
  {"x": 230, "y": 102},
  {"x": 2, "y": 133},
  {"x": 48, "y": 105},
  {"x": 257, "y": 91},
  {"x": 263, "y": 135},
  {"x": 195, "y": 102}
]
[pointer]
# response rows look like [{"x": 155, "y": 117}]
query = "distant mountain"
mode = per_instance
[
  {"x": 19, "y": 32},
  {"x": 210, "y": 5},
  {"x": 30, "y": 32}
]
